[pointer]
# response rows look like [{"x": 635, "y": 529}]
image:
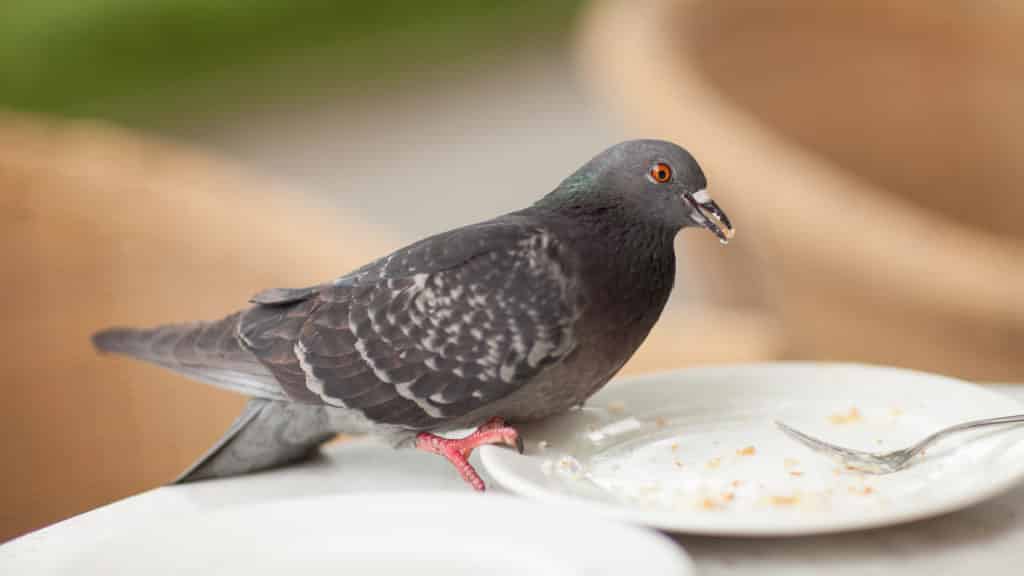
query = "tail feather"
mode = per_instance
[
  {"x": 270, "y": 432},
  {"x": 266, "y": 435},
  {"x": 206, "y": 351},
  {"x": 132, "y": 342}
]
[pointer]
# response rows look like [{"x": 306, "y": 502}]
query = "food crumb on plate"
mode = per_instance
[
  {"x": 790, "y": 462},
  {"x": 571, "y": 467},
  {"x": 660, "y": 422},
  {"x": 714, "y": 463},
  {"x": 616, "y": 407},
  {"x": 784, "y": 500},
  {"x": 677, "y": 463},
  {"x": 711, "y": 503},
  {"x": 748, "y": 451},
  {"x": 675, "y": 446},
  {"x": 796, "y": 473},
  {"x": 852, "y": 415},
  {"x": 861, "y": 490}
]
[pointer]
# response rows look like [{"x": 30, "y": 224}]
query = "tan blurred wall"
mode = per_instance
[{"x": 98, "y": 227}]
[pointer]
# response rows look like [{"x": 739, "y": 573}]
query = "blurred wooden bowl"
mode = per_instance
[
  {"x": 869, "y": 154},
  {"x": 100, "y": 227}
]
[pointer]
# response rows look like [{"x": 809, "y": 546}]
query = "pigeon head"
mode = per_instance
[{"x": 652, "y": 182}]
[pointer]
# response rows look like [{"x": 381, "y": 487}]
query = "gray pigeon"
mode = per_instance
[{"x": 509, "y": 320}]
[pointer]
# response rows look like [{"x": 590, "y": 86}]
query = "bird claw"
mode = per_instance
[
  {"x": 510, "y": 435},
  {"x": 458, "y": 450}
]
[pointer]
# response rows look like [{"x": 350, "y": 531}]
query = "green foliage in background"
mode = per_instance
[{"x": 136, "y": 60}]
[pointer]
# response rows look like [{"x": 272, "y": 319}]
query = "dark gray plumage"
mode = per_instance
[{"x": 521, "y": 317}]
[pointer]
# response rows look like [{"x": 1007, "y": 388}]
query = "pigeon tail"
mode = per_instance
[
  {"x": 125, "y": 341},
  {"x": 206, "y": 351},
  {"x": 267, "y": 434}
]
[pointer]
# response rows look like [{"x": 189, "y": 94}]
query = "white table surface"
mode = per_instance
[{"x": 986, "y": 539}]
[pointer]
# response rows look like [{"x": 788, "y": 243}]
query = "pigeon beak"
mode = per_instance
[{"x": 707, "y": 214}]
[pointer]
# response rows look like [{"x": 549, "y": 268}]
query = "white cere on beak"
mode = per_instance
[{"x": 701, "y": 196}]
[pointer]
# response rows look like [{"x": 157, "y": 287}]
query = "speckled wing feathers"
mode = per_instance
[{"x": 428, "y": 334}]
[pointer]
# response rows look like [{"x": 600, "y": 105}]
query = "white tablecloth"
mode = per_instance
[{"x": 986, "y": 539}]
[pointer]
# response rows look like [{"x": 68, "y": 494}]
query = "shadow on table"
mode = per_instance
[{"x": 359, "y": 465}]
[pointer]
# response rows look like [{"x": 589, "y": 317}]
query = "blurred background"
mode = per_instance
[{"x": 164, "y": 160}]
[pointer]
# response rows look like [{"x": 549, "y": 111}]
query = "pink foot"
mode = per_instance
[{"x": 457, "y": 450}]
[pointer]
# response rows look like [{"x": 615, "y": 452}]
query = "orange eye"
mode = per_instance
[{"x": 661, "y": 172}]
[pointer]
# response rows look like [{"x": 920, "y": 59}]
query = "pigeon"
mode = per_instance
[{"x": 485, "y": 326}]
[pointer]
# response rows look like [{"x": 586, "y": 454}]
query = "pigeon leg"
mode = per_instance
[{"x": 457, "y": 450}]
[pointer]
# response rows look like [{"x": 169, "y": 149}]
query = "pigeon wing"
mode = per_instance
[{"x": 429, "y": 333}]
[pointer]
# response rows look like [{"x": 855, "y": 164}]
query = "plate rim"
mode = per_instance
[
  {"x": 493, "y": 460},
  {"x": 674, "y": 558}
]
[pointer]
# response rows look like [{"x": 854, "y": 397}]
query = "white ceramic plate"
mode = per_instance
[
  {"x": 696, "y": 450},
  {"x": 382, "y": 534}
]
